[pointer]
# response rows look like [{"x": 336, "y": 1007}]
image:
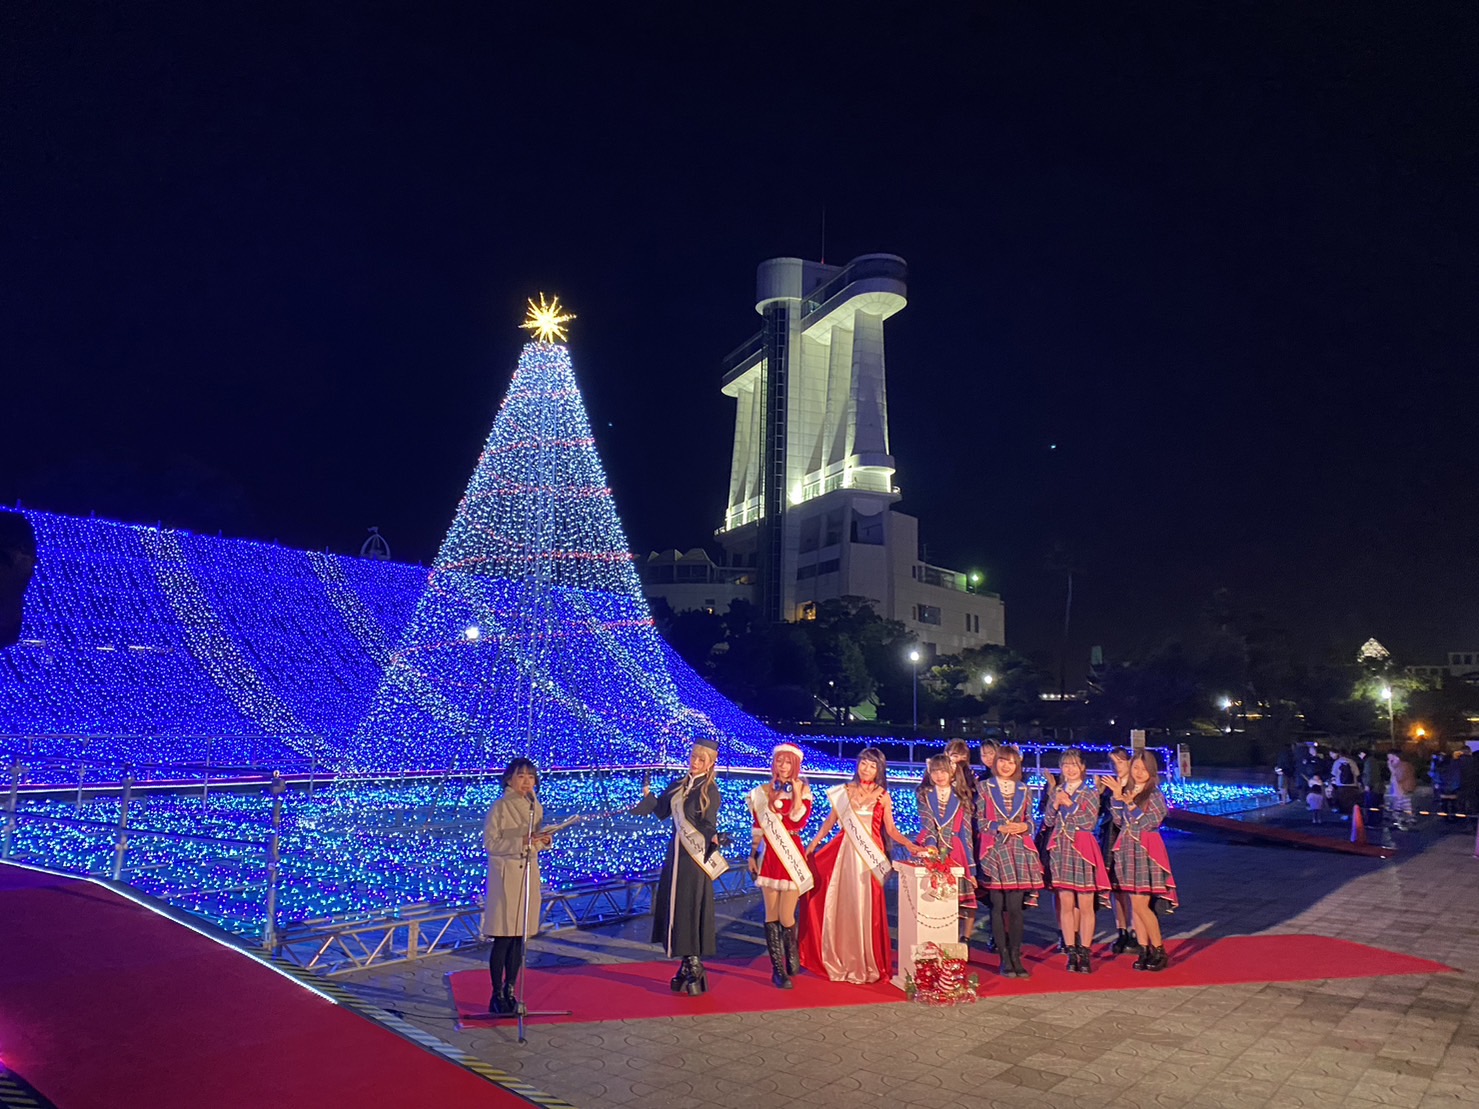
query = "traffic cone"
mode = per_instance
[{"x": 1358, "y": 824}]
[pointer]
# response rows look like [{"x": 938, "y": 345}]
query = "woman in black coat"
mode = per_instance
[{"x": 683, "y": 906}]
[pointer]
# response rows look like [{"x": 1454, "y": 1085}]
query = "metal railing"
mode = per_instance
[{"x": 122, "y": 835}]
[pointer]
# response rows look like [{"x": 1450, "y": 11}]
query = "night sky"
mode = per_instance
[{"x": 1192, "y": 287}]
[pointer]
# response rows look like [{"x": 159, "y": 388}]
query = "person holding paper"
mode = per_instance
[{"x": 513, "y": 835}]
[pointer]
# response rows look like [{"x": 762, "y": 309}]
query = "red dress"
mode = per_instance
[
  {"x": 844, "y": 920},
  {"x": 773, "y": 873}
]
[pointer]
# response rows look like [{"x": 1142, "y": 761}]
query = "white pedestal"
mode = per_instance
[{"x": 924, "y": 917}]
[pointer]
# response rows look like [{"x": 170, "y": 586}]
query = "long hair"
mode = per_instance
[
  {"x": 516, "y": 765},
  {"x": 935, "y": 762},
  {"x": 708, "y": 781},
  {"x": 1008, "y": 752},
  {"x": 1148, "y": 760},
  {"x": 1118, "y": 753},
  {"x": 960, "y": 776},
  {"x": 875, "y": 756}
]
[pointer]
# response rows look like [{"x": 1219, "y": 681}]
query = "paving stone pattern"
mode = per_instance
[{"x": 1403, "y": 1041}]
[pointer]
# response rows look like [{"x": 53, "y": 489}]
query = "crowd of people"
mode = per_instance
[
  {"x": 1333, "y": 782},
  {"x": 1091, "y": 840}
]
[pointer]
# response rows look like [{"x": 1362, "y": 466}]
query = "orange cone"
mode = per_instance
[{"x": 1358, "y": 824}]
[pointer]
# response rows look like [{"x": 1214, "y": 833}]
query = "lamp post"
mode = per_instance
[
  {"x": 1225, "y": 704},
  {"x": 914, "y": 665},
  {"x": 1386, "y": 693}
]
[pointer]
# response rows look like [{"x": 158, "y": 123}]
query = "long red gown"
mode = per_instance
[{"x": 854, "y": 944}]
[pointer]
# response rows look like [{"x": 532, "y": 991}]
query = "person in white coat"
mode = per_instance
[{"x": 511, "y": 835}]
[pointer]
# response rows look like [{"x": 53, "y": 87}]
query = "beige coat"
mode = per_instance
[{"x": 503, "y": 837}]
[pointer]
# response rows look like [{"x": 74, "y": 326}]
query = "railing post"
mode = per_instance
[
  {"x": 269, "y": 924},
  {"x": 10, "y": 818},
  {"x": 120, "y": 849}
]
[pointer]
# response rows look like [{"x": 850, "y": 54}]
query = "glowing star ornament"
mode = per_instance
[{"x": 546, "y": 322}]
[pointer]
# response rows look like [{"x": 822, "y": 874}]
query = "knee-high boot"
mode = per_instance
[
  {"x": 775, "y": 945},
  {"x": 793, "y": 949}
]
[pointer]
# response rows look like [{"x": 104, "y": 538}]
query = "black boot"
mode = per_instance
[
  {"x": 1072, "y": 958},
  {"x": 1085, "y": 965},
  {"x": 1125, "y": 942},
  {"x": 775, "y": 945},
  {"x": 681, "y": 978},
  {"x": 510, "y": 1002},
  {"x": 793, "y": 950},
  {"x": 1142, "y": 961},
  {"x": 697, "y": 977},
  {"x": 1158, "y": 960}
]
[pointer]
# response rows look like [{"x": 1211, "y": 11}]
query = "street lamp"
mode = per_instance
[
  {"x": 1386, "y": 693},
  {"x": 1225, "y": 704},
  {"x": 914, "y": 665}
]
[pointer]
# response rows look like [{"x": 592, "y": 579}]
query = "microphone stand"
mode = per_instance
[{"x": 520, "y": 1009}]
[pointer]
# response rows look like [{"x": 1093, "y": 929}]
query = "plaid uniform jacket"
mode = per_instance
[
  {"x": 1071, "y": 870},
  {"x": 1134, "y": 870},
  {"x": 1009, "y": 862}
]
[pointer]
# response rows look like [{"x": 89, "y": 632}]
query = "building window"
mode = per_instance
[{"x": 929, "y": 614}]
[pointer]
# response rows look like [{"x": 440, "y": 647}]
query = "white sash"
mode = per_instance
[
  {"x": 781, "y": 841},
  {"x": 693, "y": 841},
  {"x": 865, "y": 845}
]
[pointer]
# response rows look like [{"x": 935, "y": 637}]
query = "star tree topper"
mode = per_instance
[{"x": 546, "y": 321}]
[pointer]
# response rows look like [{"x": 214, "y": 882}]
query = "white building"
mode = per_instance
[
  {"x": 811, "y": 485},
  {"x": 1463, "y": 666}
]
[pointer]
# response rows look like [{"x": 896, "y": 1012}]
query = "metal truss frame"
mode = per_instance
[{"x": 332, "y": 946}]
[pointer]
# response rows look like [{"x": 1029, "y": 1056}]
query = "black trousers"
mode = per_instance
[
  {"x": 1006, "y": 919},
  {"x": 504, "y": 959}
]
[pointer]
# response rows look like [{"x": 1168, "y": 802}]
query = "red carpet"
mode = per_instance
[
  {"x": 626, "y": 991},
  {"x": 105, "y": 1003}
]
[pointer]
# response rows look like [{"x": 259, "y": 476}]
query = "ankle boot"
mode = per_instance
[
  {"x": 793, "y": 950},
  {"x": 775, "y": 945},
  {"x": 1017, "y": 967},
  {"x": 1142, "y": 961},
  {"x": 1085, "y": 966},
  {"x": 697, "y": 977},
  {"x": 1158, "y": 960},
  {"x": 1072, "y": 958},
  {"x": 681, "y": 978},
  {"x": 1125, "y": 942}
]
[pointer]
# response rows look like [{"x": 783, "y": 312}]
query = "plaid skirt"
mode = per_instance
[
  {"x": 1012, "y": 863},
  {"x": 1070, "y": 870},
  {"x": 1136, "y": 872}
]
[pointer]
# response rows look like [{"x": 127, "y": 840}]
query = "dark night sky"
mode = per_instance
[{"x": 262, "y": 274}]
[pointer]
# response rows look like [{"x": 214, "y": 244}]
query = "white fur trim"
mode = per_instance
[{"x": 787, "y": 749}]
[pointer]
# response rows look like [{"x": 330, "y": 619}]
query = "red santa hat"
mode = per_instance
[{"x": 787, "y": 749}]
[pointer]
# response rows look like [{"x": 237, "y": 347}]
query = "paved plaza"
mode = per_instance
[{"x": 1399, "y": 1041}]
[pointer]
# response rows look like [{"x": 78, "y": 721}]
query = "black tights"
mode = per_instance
[
  {"x": 1006, "y": 919},
  {"x": 504, "y": 959}
]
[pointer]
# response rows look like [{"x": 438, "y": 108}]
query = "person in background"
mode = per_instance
[
  {"x": 1314, "y": 799},
  {"x": 958, "y": 751},
  {"x": 1450, "y": 779},
  {"x": 1400, "y": 792},
  {"x": 1345, "y": 781},
  {"x": 511, "y": 848},
  {"x": 1124, "y": 920}
]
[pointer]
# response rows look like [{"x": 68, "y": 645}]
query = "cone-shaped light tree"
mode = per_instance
[{"x": 532, "y": 636}]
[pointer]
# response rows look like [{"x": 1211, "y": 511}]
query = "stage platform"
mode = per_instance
[{"x": 107, "y": 1001}]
